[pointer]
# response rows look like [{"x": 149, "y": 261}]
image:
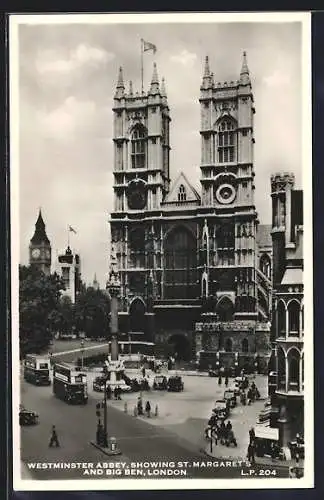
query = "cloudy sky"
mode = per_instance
[{"x": 67, "y": 78}]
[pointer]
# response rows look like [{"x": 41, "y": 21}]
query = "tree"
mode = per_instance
[
  {"x": 39, "y": 297},
  {"x": 92, "y": 310},
  {"x": 64, "y": 316}
]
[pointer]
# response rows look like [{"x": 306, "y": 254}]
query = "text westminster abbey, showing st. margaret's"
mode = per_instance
[{"x": 195, "y": 268}]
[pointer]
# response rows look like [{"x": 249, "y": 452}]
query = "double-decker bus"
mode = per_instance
[
  {"x": 36, "y": 369},
  {"x": 69, "y": 384}
]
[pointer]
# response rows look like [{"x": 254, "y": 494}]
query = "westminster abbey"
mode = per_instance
[{"x": 195, "y": 267}]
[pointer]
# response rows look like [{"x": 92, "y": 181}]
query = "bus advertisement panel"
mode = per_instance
[
  {"x": 69, "y": 384},
  {"x": 36, "y": 369}
]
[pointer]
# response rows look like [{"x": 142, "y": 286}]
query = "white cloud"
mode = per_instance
[
  {"x": 49, "y": 61},
  {"x": 277, "y": 79},
  {"x": 185, "y": 58},
  {"x": 63, "y": 121}
]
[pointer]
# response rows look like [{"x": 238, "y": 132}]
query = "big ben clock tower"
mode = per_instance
[{"x": 40, "y": 248}]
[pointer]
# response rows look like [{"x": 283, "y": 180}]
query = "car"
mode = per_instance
[
  {"x": 229, "y": 395},
  {"x": 160, "y": 383},
  {"x": 221, "y": 409},
  {"x": 99, "y": 384},
  {"x": 175, "y": 384},
  {"x": 27, "y": 417}
]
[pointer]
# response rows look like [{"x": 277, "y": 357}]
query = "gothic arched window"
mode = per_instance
[
  {"x": 281, "y": 360},
  {"x": 182, "y": 194},
  {"x": 180, "y": 264},
  {"x": 265, "y": 265},
  {"x": 138, "y": 147},
  {"x": 228, "y": 345},
  {"x": 293, "y": 318},
  {"x": 245, "y": 345},
  {"x": 293, "y": 369},
  {"x": 226, "y": 141},
  {"x": 281, "y": 319}
]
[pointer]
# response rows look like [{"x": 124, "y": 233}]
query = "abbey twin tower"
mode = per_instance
[{"x": 194, "y": 267}]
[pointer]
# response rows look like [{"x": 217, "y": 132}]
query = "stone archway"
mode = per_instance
[
  {"x": 137, "y": 316},
  {"x": 180, "y": 346},
  {"x": 225, "y": 309}
]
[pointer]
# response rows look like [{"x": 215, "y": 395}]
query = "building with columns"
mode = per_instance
[
  {"x": 195, "y": 267},
  {"x": 288, "y": 308},
  {"x": 40, "y": 251}
]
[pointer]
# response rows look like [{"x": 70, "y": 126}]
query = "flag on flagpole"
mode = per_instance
[
  {"x": 72, "y": 230},
  {"x": 149, "y": 46}
]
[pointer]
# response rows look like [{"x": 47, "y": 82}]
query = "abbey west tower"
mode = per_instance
[{"x": 195, "y": 269}]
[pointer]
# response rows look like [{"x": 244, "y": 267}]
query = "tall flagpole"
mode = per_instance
[
  {"x": 68, "y": 231},
  {"x": 142, "y": 65}
]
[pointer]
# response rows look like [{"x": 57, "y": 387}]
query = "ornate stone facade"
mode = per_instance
[
  {"x": 181, "y": 254},
  {"x": 288, "y": 306}
]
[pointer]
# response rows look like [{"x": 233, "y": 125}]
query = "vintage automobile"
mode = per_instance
[
  {"x": 221, "y": 409},
  {"x": 242, "y": 382},
  {"x": 175, "y": 384},
  {"x": 99, "y": 384},
  {"x": 27, "y": 417},
  {"x": 160, "y": 383},
  {"x": 265, "y": 414},
  {"x": 229, "y": 395}
]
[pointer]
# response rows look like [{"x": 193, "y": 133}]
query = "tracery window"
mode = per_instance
[
  {"x": 138, "y": 147},
  {"x": 226, "y": 141},
  {"x": 180, "y": 263},
  {"x": 182, "y": 194}
]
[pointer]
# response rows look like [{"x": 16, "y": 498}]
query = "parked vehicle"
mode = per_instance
[
  {"x": 229, "y": 395},
  {"x": 221, "y": 409},
  {"x": 160, "y": 383},
  {"x": 27, "y": 417},
  {"x": 265, "y": 414},
  {"x": 175, "y": 384}
]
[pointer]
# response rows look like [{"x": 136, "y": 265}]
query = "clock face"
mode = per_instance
[
  {"x": 36, "y": 253},
  {"x": 225, "y": 194},
  {"x": 137, "y": 196}
]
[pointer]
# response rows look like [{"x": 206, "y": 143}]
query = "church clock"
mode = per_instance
[
  {"x": 225, "y": 194},
  {"x": 36, "y": 253}
]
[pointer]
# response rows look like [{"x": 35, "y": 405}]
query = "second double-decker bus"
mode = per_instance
[
  {"x": 69, "y": 384},
  {"x": 36, "y": 369}
]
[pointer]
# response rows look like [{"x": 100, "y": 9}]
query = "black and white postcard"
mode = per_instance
[{"x": 160, "y": 171}]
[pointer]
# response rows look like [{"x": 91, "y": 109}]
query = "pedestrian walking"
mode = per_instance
[
  {"x": 108, "y": 392},
  {"x": 251, "y": 453},
  {"x": 148, "y": 409},
  {"x": 54, "y": 438},
  {"x": 252, "y": 434},
  {"x": 140, "y": 406},
  {"x": 116, "y": 392},
  {"x": 220, "y": 380},
  {"x": 226, "y": 381},
  {"x": 222, "y": 432},
  {"x": 143, "y": 371}
]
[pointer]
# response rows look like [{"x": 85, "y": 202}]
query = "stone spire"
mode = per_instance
[
  {"x": 155, "y": 87},
  {"x": 244, "y": 75},
  {"x": 40, "y": 235},
  {"x": 130, "y": 89},
  {"x": 120, "y": 89},
  {"x": 95, "y": 283},
  {"x": 207, "y": 78},
  {"x": 163, "y": 90}
]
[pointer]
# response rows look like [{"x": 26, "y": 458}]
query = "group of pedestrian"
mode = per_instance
[
  {"x": 218, "y": 431},
  {"x": 253, "y": 393},
  {"x": 117, "y": 392},
  {"x": 140, "y": 407}
]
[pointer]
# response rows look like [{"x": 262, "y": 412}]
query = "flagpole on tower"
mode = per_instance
[
  {"x": 68, "y": 235},
  {"x": 142, "y": 65}
]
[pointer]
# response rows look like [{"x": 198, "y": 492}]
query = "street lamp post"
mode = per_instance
[
  {"x": 82, "y": 352},
  {"x": 105, "y": 432}
]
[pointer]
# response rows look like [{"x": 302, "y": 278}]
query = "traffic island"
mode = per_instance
[{"x": 111, "y": 450}]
